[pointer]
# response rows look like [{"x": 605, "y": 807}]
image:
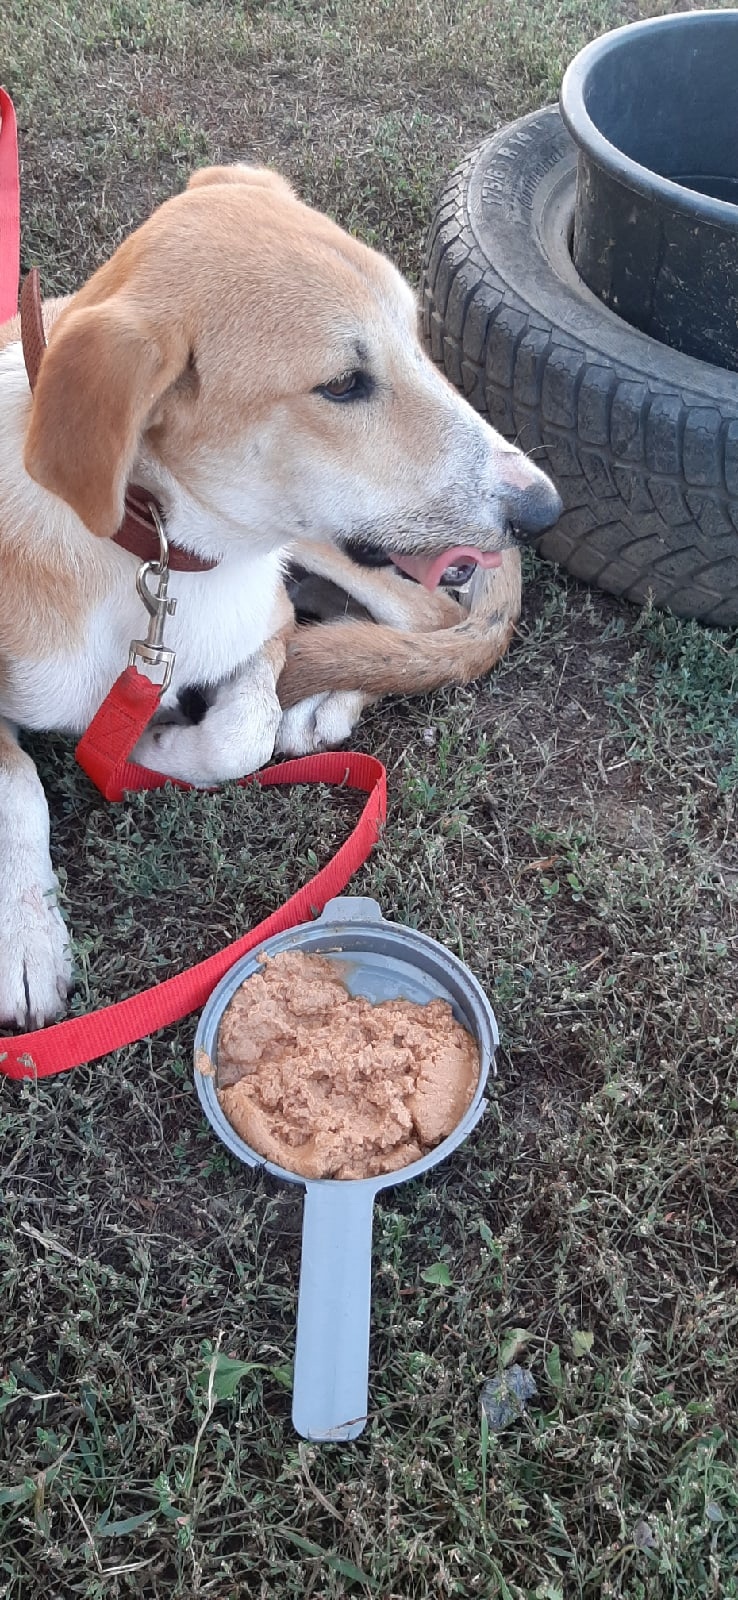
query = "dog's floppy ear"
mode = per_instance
[
  {"x": 99, "y": 382},
  {"x": 257, "y": 177}
]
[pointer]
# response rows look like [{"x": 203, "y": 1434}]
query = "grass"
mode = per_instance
[{"x": 568, "y": 826}]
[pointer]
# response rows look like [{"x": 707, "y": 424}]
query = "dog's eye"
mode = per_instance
[{"x": 348, "y": 386}]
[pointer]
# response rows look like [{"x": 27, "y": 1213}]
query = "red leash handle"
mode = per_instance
[
  {"x": 103, "y": 752},
  {"x": 9, "y": 210},
  {"x": 106, "y": 744}
]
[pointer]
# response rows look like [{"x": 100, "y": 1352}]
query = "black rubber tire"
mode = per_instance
[{"x": 641, "y": 440}]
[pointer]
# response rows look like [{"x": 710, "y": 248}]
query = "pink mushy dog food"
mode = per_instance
[{"x": 328, "y": 1085}]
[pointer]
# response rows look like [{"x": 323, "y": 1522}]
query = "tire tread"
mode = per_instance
[{"x": 654, "y": 468}]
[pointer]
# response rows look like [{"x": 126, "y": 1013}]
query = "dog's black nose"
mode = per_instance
[{"x": 531, "y": 511}]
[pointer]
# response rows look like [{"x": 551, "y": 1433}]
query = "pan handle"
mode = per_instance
[{"x": 331, "y": 1383}]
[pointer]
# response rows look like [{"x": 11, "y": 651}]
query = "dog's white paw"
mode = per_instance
[
  {"x": 236, "y": 736},
  {"x": 205, "y": 759},
  {"x": 35, "y": 958},
  {"x": 319, "y": 723}
]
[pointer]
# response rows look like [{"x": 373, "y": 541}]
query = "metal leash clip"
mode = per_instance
[{"x": 151, "y": 650}]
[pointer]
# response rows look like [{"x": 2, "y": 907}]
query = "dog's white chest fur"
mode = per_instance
[{"x": 221, "y": 620}]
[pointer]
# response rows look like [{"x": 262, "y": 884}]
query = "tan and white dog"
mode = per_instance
[{"x": 259, "y": 372}]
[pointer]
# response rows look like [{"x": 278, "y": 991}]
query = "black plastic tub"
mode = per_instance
[{"x": 653, "y": 109}]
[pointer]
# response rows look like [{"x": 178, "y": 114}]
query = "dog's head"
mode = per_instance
[{"x": 270, "y": 366}]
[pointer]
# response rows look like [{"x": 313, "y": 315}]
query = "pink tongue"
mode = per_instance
[{"x": 429, "y": 570}]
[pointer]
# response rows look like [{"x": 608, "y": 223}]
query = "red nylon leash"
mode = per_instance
[
  {"x": 9, "y": 210},
  {"x": 103, "y": 753}
]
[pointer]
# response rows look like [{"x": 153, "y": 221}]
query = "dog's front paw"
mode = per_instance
[
  {"x": 35, "y": 958},
  {"x": 235, "y": 736},
  {"x": 320, "y": 723}
]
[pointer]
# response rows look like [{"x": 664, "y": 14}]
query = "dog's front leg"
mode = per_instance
[
  {"x": 235, "y": 736},
  {"x": 35, "y": 961}
]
